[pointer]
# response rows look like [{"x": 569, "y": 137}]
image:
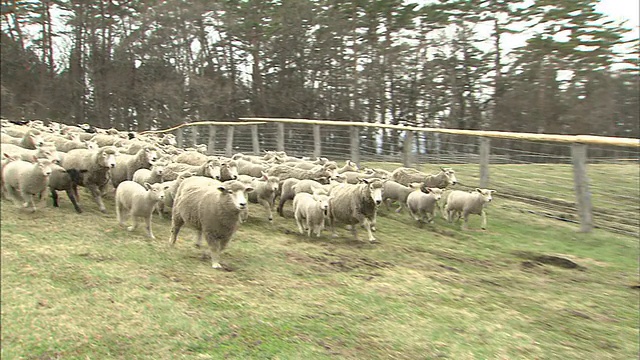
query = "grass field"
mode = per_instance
[{"x": 79, "y": 287}]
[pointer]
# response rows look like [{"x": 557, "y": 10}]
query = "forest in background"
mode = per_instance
[{"x": 137, "y": 65}]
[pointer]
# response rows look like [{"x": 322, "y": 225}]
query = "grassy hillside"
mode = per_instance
[{"x": 78, "y": 286}]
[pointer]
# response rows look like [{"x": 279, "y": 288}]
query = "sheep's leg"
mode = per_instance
[
  {"x": 119, "y": 214},
  {"x": 367, "y": 226},
  {"x": 176, "y": 225},
  {"x": 372, "y": 223},
  {"x": 199, "y": 239},
  {"x": 281, "y": 206},
  {"x": 466, "y": 221},
  {"x": 147, "y": 222},
  {"x": 267, "y": 206},
  {"x": 76, "y": 194},
  {"x": 30, "y": 203},
  {"x": 299, "y": 223},
  {"x": 135, "y": 222},
  {"x": 54, "y": 196},
  {"x": 214, "y": 251},
  {"x": 484, "y": 220},
  {"x": 387, "y": 204},
  {"x": 401, "y": 206},
  {"x": 14, "y": 195},
  {"x": 97, "y": 196}
]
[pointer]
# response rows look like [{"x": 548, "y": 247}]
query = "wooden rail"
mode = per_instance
[{"x": 219, "y": 123}]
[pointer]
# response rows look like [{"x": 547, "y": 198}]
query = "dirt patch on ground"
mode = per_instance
[
  {"x": 533, "y": 259},
  {"x": 329, "y": 261}
]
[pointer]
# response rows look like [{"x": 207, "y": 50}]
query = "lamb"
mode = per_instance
[
  {"x": 30, "y": 140},
  {"x": 210, "y": 169},
  {"x": 213, "y": 211},
  {"x": 291, "y": 187},
  {"x": 422, "y": 206},
  {"x": 46, "y": 151},
  {"x": 249, "y": 168},
  {"x": 228, "y": 170},
  {"x": 405, "y": 176},
  {"x": 353, "y": 177},
  {"x": 310, "y": 211},
  {"x": 98, "y": 164},
  {"x": 348, "y": 166},
  {"x": 23, "y": 180},
  {"x": 355, "y": 204},
  {"x": 466, "y": 203},
  {"x": 264, "y": 193},
  {"x": 138, "y": 201},
  {"x": 62, "y": 179},
  {"x": 129, "y": 164},
  {"x": 170, "y": 193},
  {"x": 192, "y": 157},
  {"x": 285, "y": 172},
  {"x": 152, "y": 176},
  {"x": 394, "y": 191}
]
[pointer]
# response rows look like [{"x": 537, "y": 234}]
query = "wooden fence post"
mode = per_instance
[
  {"x": 581, "y": 186},
  {"x": 485, "y": 149},
  {"x": 212, "y": 140},
  {"x": 254, "y": 140},
  {"x": 229, "y": 149},
  {"x": 194, "y": 135},
  {"x": 407, "y": 149},
  {"x": 317, "y": 142},
  {"x": 355, "y": 144},
  {"x": 280, "y": 137},
  {"x": 180, "y": 137}
]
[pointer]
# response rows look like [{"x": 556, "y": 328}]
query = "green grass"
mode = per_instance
[{"x": 78, "y": 287}]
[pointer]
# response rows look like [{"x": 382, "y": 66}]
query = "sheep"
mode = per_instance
[
  {"x": 355, "y": 204},
  {"x": 285, "y": 172},
  {"x": 310, "y": 211},
  {"x": 394, "y": 191},
  {"x": 30, "y": 140},
  {"x": 292, "y": 186},
  {"x": 192, "y": 157},
  {"x": 353, "y": 177},
  {"x": 138, "y": 201},
  {"x": 228, "y": 170},
  {"x": 466, "y": 203},
  {"x": 264, "y": 193},
  {"x": 98, "y": 164},
  {"x": 249, "y": 168},
  {"x": 22, "y": 180},
  {"x": 62, "y": 179},
  {"x": 152, "y": 176},
  {"x": 405, "y": 176},
  {"x": 46, "y": 151},
  {"x": 422, "y": 206},
  {"x": 210, "y": 169},
  {"x": 128, "y": 164},
  {"x": 170, "y": 193},
  {"x": 348, "y": 166},
  {"x": 213, "y": 211}
]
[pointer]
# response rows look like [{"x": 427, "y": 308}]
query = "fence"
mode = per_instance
[{"x": 590, "y": 180}]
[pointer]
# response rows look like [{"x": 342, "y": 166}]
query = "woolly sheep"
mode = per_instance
[
  {"x": 355, "y": 204},
  {"x": 30, "y": 140},
  {"x": 248, "y": 168},
  {"x": 264, "y": 192},
  {"x": 98, "y": 164},
  {"x": 65, "y": 180},
  {"x": 46, "y": 151},
  {"x": 23, "y": 180},
  {"x": 394, "y": 191},
  {"x": 228, "y": 170},
  {"x": 353, "y": 177},
  {"x": 348, "y": 166},
  {"x": 310, "y": 211},
  {"x": 461, "y": 203},
  {"x": 170, "y": 193},
  {"x": 292, "y": 186},
  {"x": 422, "y": 205},
  {"x": 138, "y": 201},
  {"x": 285, "y": 172},
  {"x": 128, "y": 164},
  {"x": 210, "y": 169},
  {"x": 405, "y": 176},
  {"x": 152, "y": 176},
  {"x": 213, "y": 211},
  {"x": 192, "y": 158}
]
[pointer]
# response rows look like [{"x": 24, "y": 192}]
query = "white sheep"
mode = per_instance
[
  {"x": 170, "y": 193},
  {"x": 98, "y": 164},
  {"x": 355, "y": 205},
  {"x": 210, "y": 169},
  {"x": 264, "y": 192},
  {"x": 213, "y": 211},
  {"x": 23, "y": 180},
  {"x": 461, "y": 203},
  {"x": 422, "y": 206},
  {"x": 45, "y": 151},
  {"x": 289, "y": 189},
  {"x": 138, "y": 201},
  {"x": 152, "y": 176},
  {"x": 249, "y": 168},
  {"x": 310, "y": 211},
  {"x": 394, "y": 191},
  {"x": 129, "y": 164},
  {"x": 443, "y": 179},
  {"x": 285, "y": 172},
  {"x": 30, "y": 140}
]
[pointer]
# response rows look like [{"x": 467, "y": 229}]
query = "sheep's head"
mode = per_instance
[
  {"x": 151, "y": 154},
  {"x": 485, "y": 193},
  {"x": 158, "y": 167},
  {"x": 45, "y": 165},
  {"x": 323, "y": 201},
  {"x": 273, "y": 182},
  {"x": 450, "y": 175},
  {"x": 231, "y": 166},
  {"x": 436, "y": 192},
  {"x": 91, "y": 145},
  {"x": 36, "y": 139},
  {"x": 375, "y": 187},
  {"x": 107, "y": 156},
  {"x": 351, "y": 166},
  {"x": 213, "y": 169},
  {"x": 156, "y": 191},
  {"x": 237, "y": 191}
]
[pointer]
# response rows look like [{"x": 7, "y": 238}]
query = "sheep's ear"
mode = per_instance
[
  {"x": 166, "y": 187},
  {"x": 147, "y": 186},
  {"x": 491, "y": 191},
  {"x": 248, "y": 189},
  {"x": 366, "y": 181},
  {"x": 479, "y": 190},
  {"x": 35, "y": 158},
  {"x": 222, "y": 189}
]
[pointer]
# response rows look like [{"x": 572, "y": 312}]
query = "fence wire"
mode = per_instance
[{"x": 538, "y": 175}]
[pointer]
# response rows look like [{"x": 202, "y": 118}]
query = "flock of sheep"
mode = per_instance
[{"x": 209, "y": 193}]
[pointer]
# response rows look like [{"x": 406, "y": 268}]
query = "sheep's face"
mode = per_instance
[
  {"x": 486, "y": 194},
  {"x": 37, "y": 140},
  {"x": 237, "y": 191},
  {"x": 274, "y": 183},
  {"x": 49, "y": 154},
  {"x": 351, "y": 166},
  {"x": 214, "y": 170},
  {"x": 151, "y": 155},
  {"x": 108, "y": 159},
  {"x": 156, "y": 191},
  {"x": 45, "y": 166},
  {"x": 232, "y": 169},
  {"x": 375, "y": 189},
  {"x": 436, "y": 192},
  {"x": 159, "y": 168},
  {"x": 323, "y": 202},
  {"x": 450, "y": 175},
  {"x": 91, "y": 145}
]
